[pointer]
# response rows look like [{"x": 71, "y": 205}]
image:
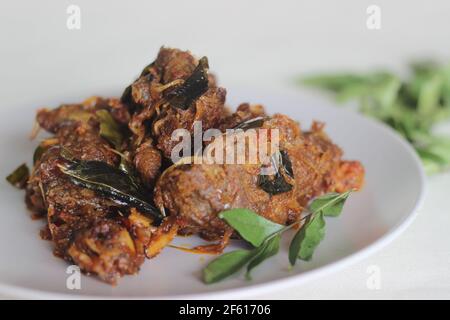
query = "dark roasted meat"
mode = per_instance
[
  {"x": 107, "y": 249},
  {"x": 152, "y": 95},
  {"x": 85, "y": 227},
  {"x": 51, "y": 120},
  {"x": 198, "y": 192},
  {"x": 147, "y": 160}
]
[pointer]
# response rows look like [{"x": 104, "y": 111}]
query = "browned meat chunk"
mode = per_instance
[
  {"x": 198, "y": 192},
  {"x": 85, "y": 227},
  {"x": 152, "y": 94},
  {"x": 106, "y": 249},
  {"x": 208, "y": 109},
  {"x": 51, "y": 120},
  {"x": 147, "y": 161},
  {"x": 70, "y": 208}
]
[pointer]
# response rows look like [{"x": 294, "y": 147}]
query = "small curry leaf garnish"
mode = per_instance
[
  {"x": 226, "y": 265},
  {"x": 38, "y": 152},
  {"x": 127, "y": 96},
  {"x": 81, "y": 116},
  {"x": 312, "y": 233},
  {"x": 413, "y": 106},
  {"x": 268, "y": 249},
  {"x": 265, "y": 237},
  {"x": 127, "y": 167},
  {"x": 130, "y": 170},
  {"x": 183, "y": 95},
  {"x": 19, "y": 177},
  {"x": 307, "y": 238},
  {"x": 286, "y": 163},
  {"x": 42, "y": 148},
  {"x": 331, "y": 209},
  {"x": 109, "y": 129},
  {"x": 249, "y": 225},
  {"x": 147, "y": 68},
  {"x": 276, "y": 183},
  {"x": 66, "y": 154},
  {"x": 110, "y": 182}
]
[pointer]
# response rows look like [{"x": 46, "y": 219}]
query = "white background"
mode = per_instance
[{"x": 261, "y": 44}]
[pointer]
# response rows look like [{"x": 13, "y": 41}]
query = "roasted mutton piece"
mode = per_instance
[
  {"x": 96, "y": 233},
  {"x": 172, "y": 93},
  {"x": 312, "y": 165}
]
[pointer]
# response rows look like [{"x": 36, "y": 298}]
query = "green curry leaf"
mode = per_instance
[
  {"x": 330, "y": 204},
  {"x": 226, "y": 265},
  {"x": 307, "y": 238},
  {"x": 268, "y": 249},
  {"x": 251, "y": 226}
]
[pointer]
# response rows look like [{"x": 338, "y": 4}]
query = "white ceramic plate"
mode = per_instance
[{"x": 371, "y": 218}]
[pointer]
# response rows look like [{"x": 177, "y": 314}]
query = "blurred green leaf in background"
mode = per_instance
[{"x": 412, "y": 106}]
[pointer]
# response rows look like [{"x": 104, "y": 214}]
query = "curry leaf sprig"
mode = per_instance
[
  {"x": 412, "y": 107},
  {"x": 265, "y": 236}
]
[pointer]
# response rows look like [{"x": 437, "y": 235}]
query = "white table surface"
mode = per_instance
[{"x": 259, "y": 44}]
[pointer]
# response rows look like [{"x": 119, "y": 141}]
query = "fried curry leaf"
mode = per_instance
[
  {"x": 146, "y": 70},
  {"x": 43, "y": 147},
  {"x": 67, "y": 155},
  {"x": 38, "y": 152},
  {"x": 182, "y": 96},
  {"x": 307, "y": 238},
  {"x": 252, "y": 123},
  {"x": 127, "y": 93},
  {"x": 268, "y": 249},
  {"x": 127, "y": 167},
  {"x": 226, "y": 265},
  {"x": 19, "y": 177},
  {"x": 330, "y": 204},
  {"x": 109, "y": 129},
  {"x": 109, "y": 182},
  {"x": 251, "y": 226},
  {"x": 276, "y": 184},
  {"x": 286, "y": 164},
  {"x": 81, "y": 116}
]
